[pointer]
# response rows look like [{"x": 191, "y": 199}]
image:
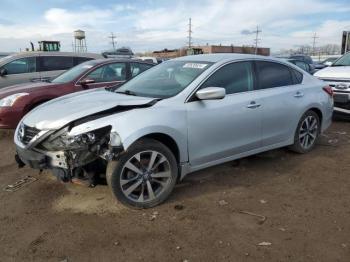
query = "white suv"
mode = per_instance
[{"x": 338, "y": 77}]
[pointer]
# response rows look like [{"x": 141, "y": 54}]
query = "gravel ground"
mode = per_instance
[{"x": 276, "y": 206}]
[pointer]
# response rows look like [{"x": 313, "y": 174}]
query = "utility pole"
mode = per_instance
[
  {"x": 190, "y": 33},
  {"x": 113, "y": 42},
  {"x": 257, "y": 39},
  {"x": 314, "y": 43}
]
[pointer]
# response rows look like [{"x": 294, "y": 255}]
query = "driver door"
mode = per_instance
[{"x": 220, "y": 129}]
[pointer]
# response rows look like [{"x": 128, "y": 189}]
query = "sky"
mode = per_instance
[{"x": 150, "y": 25}]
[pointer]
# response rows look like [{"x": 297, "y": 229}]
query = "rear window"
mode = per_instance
[
  {"x": 53, "y": 63},
  {"x": 297, "y": 76},
  {"x": 21, "y": 66},
  {"x": 79, "y": 60},
  {"x": 273, "y": 75},
  {"x": 137, "y": 68}
]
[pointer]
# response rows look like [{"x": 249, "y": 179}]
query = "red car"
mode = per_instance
[{"x": 17, "y": 100}]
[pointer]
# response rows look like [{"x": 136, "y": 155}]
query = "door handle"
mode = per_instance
[
  {"x": 298, "y": 94},
  {"x": 253, "y": 105}
]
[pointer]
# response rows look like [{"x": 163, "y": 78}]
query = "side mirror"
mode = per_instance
[
  {"x": 328, "y": 63},
  {"x": 211, "y": 93},
  {"x": 86, "y": 81},
  {"x": 3, "y": 71}
]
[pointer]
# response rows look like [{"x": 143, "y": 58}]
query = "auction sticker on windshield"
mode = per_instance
[{"x": 194, "y": 65}]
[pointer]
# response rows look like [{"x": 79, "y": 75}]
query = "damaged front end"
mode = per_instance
[
  {"x": 72, "y": 158},
  {"x": 75, "y": 135}
]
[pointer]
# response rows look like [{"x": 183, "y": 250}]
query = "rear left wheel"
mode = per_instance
[
  {"x": 145, "y": 174},
  {"x": 307, "y": 133}
]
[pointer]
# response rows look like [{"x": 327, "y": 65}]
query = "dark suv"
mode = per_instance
[{"x": 305, "y": 58}]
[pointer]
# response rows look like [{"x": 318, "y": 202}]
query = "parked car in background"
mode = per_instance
[
  {"x": 338, "y": 77},
  {"x": 37, "y": 66},
  {"x": 302, "y": 57},
  {"x": 181, "y": 116},
  {"x": 325, "y": 62},
  {"x": 150, "y": 59},
  {"x": 123, "y": 52},
  {"x": 303, "y": 65},
  {"x": 330, "y": 60},
  {"x": 17, "y": 100},
  {"x": 305, "y": 58}
]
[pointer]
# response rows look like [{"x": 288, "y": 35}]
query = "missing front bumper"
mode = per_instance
[{"x": 30, "y": 158}]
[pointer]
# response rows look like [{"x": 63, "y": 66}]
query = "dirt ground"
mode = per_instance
[{"x": 305, "y": 199}]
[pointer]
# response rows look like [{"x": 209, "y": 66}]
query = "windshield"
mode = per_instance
[
  {"x": 330, "y": 59},
  {"x": 164, "y": 80},
  {"x": 73, "y": 73},
  {"x": 343, "y": 61}
]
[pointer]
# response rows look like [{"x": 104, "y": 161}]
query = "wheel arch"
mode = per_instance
[
  {"x": 319, "y": 113},
  {"x": 165, "y": 139}
]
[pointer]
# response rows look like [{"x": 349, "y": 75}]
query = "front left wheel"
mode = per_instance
[{"x": 144, "y": 176}]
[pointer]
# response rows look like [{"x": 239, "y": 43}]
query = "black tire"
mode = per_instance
[
  {"x": 117, "y": 170},
  {"x": 298, "y": 145}
]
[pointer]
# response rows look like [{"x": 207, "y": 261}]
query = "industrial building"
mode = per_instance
[{"x": 211, "y": 49}]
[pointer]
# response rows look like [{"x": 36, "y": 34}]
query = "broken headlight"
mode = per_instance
[{"x": 61, "y": 140}]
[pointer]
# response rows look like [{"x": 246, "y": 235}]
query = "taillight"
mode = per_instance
[{"x": 328, "y": 90}]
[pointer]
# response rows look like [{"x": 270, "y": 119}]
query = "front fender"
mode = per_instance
[
  {"x": 135, "y": 124},
  {"x": 179, "y": 138}
]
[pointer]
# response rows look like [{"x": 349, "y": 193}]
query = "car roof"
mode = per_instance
[
  {"x": 222, "y": 57},
  {"x": 112, "y": 60},
  {"x": 294, "y": 59},
  {"x": 41, "y": 53}
]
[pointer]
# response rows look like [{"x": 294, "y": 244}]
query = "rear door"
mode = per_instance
[
  {"x": 113, "y": 74},
  {"x": 219, "y": 129},
  {"x": 19, "y": 71},
  {"x": 51, "y": 66},
  {"x": 283, "y": 99}
]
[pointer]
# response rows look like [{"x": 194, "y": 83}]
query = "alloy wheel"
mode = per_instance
[
  {"x": 308, "y": 132},
  {"x": 145, "y": 176}
]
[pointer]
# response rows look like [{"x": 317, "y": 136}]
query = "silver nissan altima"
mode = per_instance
[{"x": 181, "y": 116}]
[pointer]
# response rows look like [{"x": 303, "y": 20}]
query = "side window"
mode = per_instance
[
  {"x": 78, "y": 60},
  {"x": 236, "y": 77},
  {"x": 21, "y": 66},
  {"x": 273, "y": 75},
  {"x": 53, "y": 63},
  {"x": 137, "y": 68},
  {"x": 109, "y": 73}
]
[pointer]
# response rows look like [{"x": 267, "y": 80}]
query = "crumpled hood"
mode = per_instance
[
  {"x": 341, "y": 72},
  {"x": 59, "y": 112},
  {"x": 25, "y": 88}
]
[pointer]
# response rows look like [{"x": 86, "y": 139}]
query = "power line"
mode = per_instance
[
  {"x": 112, "y": 37},
  {"x": 314, "y": 43},
  {"x": 190, "y": 33},
  {"x": 257, "y": 39}
]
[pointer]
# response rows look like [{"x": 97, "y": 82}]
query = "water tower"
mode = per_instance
[{"x": 79, "y": 42}]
